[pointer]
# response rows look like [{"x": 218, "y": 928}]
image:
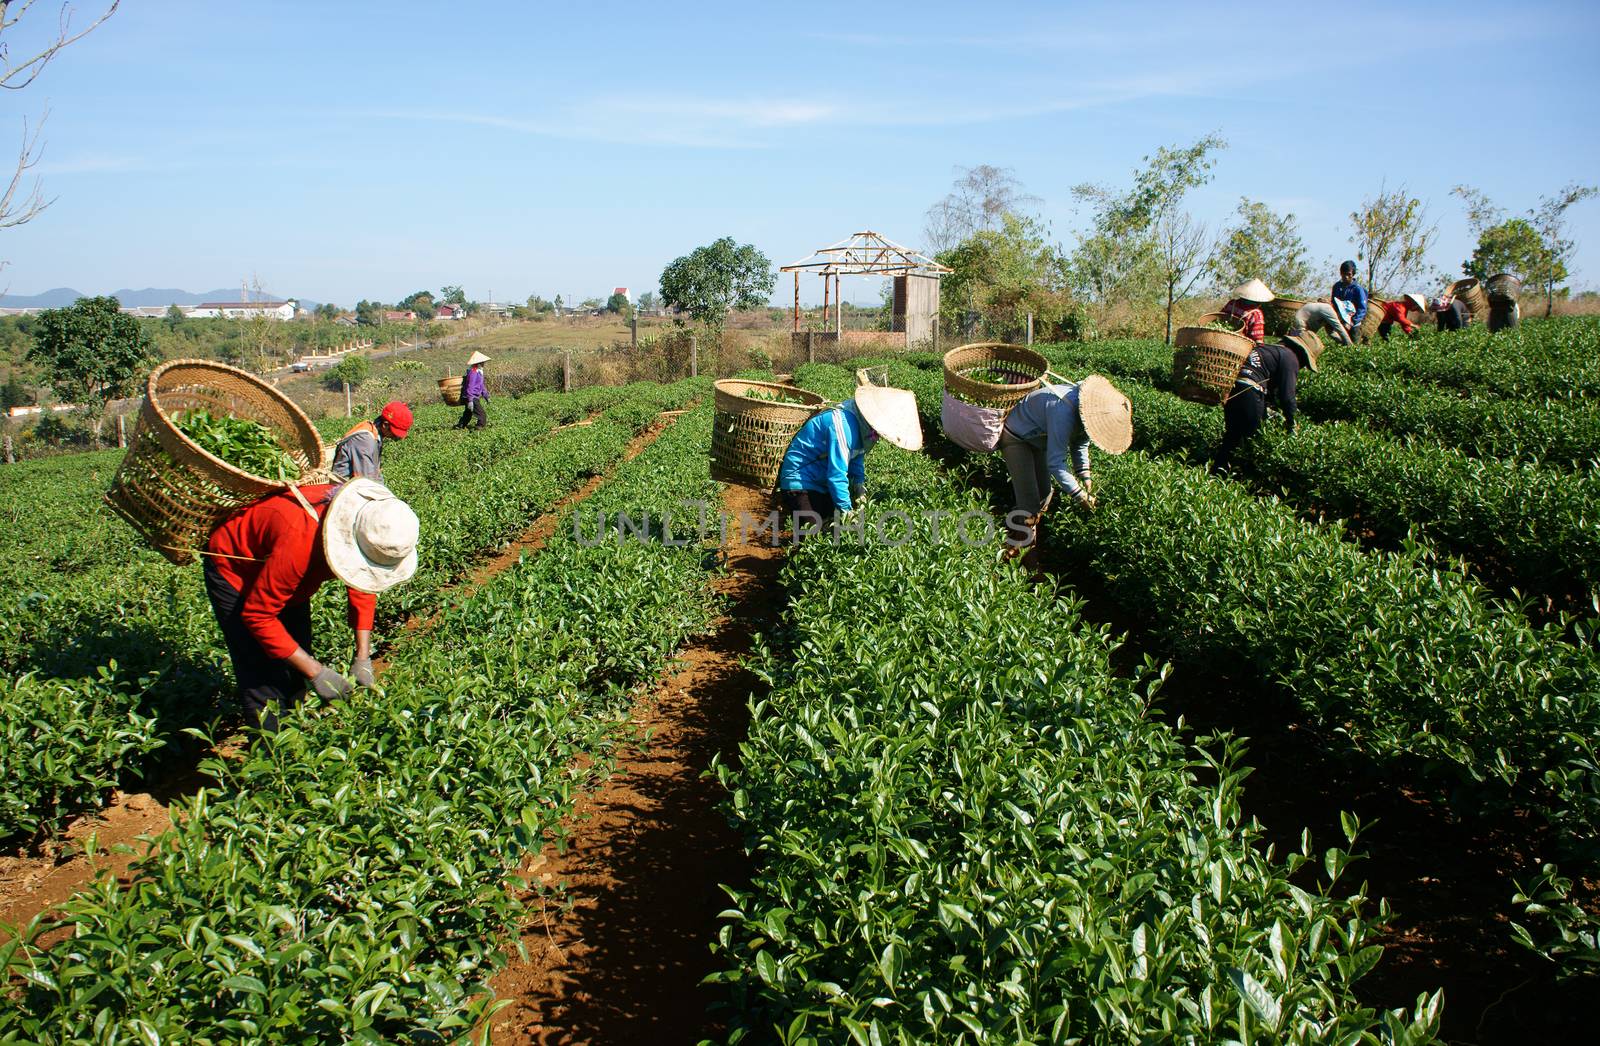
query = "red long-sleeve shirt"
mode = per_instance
[
  {"x": 1395, "y": 312},
  {"x": 1254, "y": 320},
  {"x": 280, "y": 563}
]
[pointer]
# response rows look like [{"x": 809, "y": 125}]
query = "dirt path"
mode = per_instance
[
  {"x": 624, "y": 963},
  {"x": 35, "y": 880}
]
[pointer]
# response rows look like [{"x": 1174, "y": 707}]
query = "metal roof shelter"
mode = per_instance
[{"x": 866, "y": 253}]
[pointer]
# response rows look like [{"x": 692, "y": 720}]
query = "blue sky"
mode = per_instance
[{"x": 347, "y": 150}]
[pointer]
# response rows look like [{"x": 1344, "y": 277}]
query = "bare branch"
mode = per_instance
[
  {"x": 15, "y": 210},
  {"x": 14, "y": 76}
]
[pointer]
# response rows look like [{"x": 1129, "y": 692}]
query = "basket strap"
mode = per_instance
[
  {"x": 294, "y": 488},
  {"x": 214, "y": 555}
]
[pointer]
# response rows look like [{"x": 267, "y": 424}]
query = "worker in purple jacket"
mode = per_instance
[{"x": 474, "y": 392}]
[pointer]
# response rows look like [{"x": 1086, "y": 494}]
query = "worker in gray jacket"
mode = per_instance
[
  {"x": 360, "y": 455},
  {"x": 1319, "y": 316},
  {"x": 360, "y": 452}
]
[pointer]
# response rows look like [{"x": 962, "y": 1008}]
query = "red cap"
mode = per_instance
[{"x": 398, "y": 415}]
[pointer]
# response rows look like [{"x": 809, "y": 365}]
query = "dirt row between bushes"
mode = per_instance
[{"x": 111, "y": 839}]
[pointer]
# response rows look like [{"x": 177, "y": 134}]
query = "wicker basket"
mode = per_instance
[
  {"x": 1022, "y": 368},
  {"x": 450, "y": 391},
  {"x": 1504, "y": 285},
  {"x": 750, "y": 435},
  {"x": 1470, "y": 291},
  {"x": 1206, "y": 362},
  {"x": 175, "y": 494},
  {"x": 1373, "y": 320},
  {"x": 1280, "y": 313}
]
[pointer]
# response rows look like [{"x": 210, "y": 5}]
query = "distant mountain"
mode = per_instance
[{"x": 59, "y": 296}]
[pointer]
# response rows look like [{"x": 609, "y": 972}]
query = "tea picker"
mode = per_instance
[
  {"x": 1269, "y": 371},
  {"x": 1396, "y": 312},
  {"x": 266, "y": 561},
  {"x": 1347, "y": 290},
  {"x": 1051, "y": 426},
  {"x": 224, "y": 467},
  {"x": 995, "y": 398},
  {"x": 1244, "y": 307},
  {"x": 360, "y": 453},
  {"x": 823, "y": 471},
  {"x": 474, "y": 392}
]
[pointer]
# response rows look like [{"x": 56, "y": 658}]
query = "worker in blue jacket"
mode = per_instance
[
  {"x": 1348, "y": 290},
  {"x": 824, "y": 469}
]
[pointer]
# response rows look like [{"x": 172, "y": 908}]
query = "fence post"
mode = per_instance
[
  {"x": 1030, "y": 328},
  {"x": 633, "y": 335},
  {"x": 566, "y": 370},
  {"x": 348, "y": 412},
  {"x": 122, "y": 430},
  {"x": 11, "y": 454},
  {"x": 694, "y": 357}
]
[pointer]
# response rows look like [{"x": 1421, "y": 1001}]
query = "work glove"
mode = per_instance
[
  {"x": 858, "y": 494},
  {"x": 1086, "y": 500},
  {"x": 361, "y": 668},
  {"x": 1088, "y": 484},
  {"x": 329, "y": 684}
]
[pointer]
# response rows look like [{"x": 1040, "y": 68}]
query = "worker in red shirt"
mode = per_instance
[
  {"x": 1244, "y": 306},
  {"x": 1395, "y": 312},
  {"x": 265, "y": 563},
  {"x": 360, "y": 453}
]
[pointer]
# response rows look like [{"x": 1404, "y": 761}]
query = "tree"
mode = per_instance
[
  {"x": 1004, "y": 274},
  {"x": 17, "y": 204},
  {"x": 980, "y": 199},
  {"x": 326, "y": 311},
  {"x": 1183, "y": 249},
  {"x": 1549, "y": 219},
  {"x": 618, "y": 303},
  {"x": 1392, "y": 235},
  {"x": 13, "y": 393},
  {"x": 558, "y": 305},
  {"x": 1510, "y": 246},
  {"x": 351, "y": 370},
  {"x": 420, "y": 302},
  {"x": 174, "y": 318},
  {"x": 1262, "y": 244},
  {"x": 92, "y": 352},
  {"x": 1118, "y": 260},
  {"x": 450, "y": 294},
  {"x": 369, "y": 313},
  {"x": 647, "y": 301},
  {"x": 710, "y": 280}
]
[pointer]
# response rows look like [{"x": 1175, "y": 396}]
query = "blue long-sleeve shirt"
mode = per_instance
[
  {"x": 1053, "y": 411},
  {"x": 828, "y": 454},
  {"x": 1356, "y": 295}
]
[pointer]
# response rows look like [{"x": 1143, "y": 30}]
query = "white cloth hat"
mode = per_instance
[
  {"x": 892, "y": 413},
  {"x": 1418, "y": 302},
  {"x": 1253, "y": 291},
  {"x": 370, "y": 536},
  {"x": 1106, "y": 414},
  {"x": 476, "y": 358}
]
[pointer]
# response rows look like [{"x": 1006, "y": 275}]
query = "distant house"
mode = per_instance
[
  {"x": 622, "y": 291},
  {"x": 398, "y": 316},
  {"x": 243, "y": 310},
  {"x": 449, "y": 312},
  {"x": 149, "y": 312},
  {"x": 495, "y": 308},
  {"x": 345, "y": 321}
]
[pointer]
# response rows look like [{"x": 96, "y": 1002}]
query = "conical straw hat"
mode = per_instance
[
  {"x": 1253, "y": 291},
  {"x": 892, "y": 413},
  {"x": 1309, "y": 343},
  {"x": 370, "y": 536},
  {"x": 1418, "y": 302},
  {"x": 1106, "y": 414},
  {"x": 476, "y": 358}
]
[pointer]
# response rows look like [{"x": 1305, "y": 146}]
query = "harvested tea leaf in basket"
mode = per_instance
[
  {"x": 770, "y": 396},
  {"x": 246, "y": 445}
]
